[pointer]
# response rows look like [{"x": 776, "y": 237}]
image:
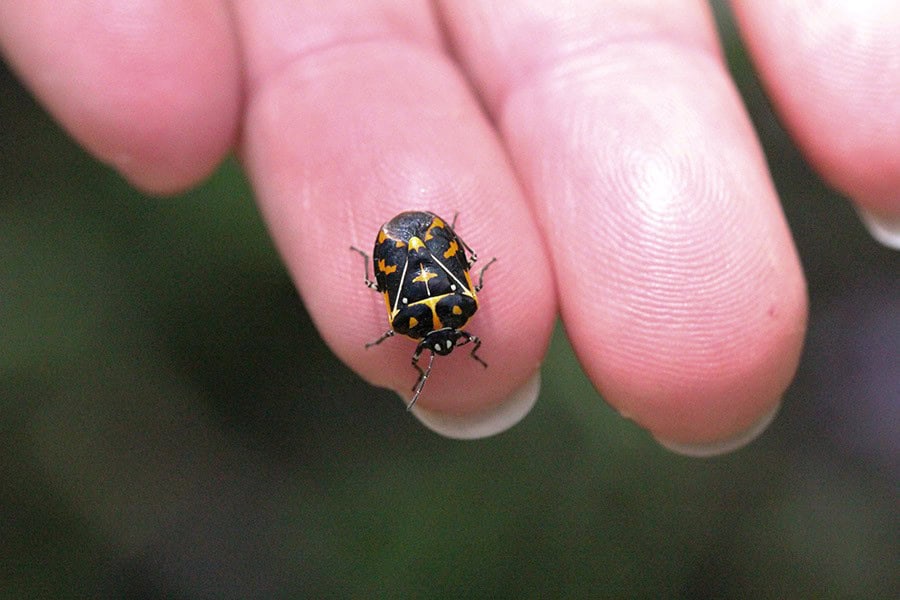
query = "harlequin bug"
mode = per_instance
[{"x": 422, "y": 270}]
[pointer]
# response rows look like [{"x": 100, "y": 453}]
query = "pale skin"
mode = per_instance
[{"x": 598, "y": 150}]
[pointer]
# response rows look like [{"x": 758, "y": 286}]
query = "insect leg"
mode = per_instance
[
  {"x": 415, "y": 363},
  {"x": 423, "y": 375},
  {"x": 366, "y": 259},
  {"x": 472, "y": 256},
  {"x": 481, "y": 274},
  {"x": 385, "y": 335},
  {"x": 476, "y": 344}
]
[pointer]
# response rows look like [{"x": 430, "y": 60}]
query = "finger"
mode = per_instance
[
  {"x": 679, "y": 285},
  {"x": 149, "y": 87},
  {"x": 832, "y": 70},
  {"x": 355, "y": 121}
]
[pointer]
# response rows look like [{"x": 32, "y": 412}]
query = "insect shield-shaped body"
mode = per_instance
[{"x": 422, "y": 271}]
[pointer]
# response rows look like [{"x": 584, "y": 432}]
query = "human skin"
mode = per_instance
[{"x": 598, "y": 150}]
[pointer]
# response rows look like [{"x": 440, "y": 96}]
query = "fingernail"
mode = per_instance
[
  {"x": 885, "y": 230},
  {"x": 721, "y": 447},
  {"x": 485, "y": 423}
]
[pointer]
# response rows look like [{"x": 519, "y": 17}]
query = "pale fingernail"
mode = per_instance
[
  {"x": 724, "y": 446},
  {"x": 885, "y": 230},
  {"x": 485, "y": 423}
]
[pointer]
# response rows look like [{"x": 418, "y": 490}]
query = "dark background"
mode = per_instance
[{"x": 172, "y": 426}]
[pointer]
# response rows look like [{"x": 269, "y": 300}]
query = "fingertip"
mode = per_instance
[
  {"x": 832, "y": 70},
  {"x": 485, "y": 422},
  {"x": 404, "y": 134},
  {"x": 883, "y": 228},
  {"x": 725, "y": 446},
  {"x": 680, "y": 288},
  {"x": 152, "y": 89},
  {"x": 712, "y": 392},
  {"x": 163, "y": 166}
]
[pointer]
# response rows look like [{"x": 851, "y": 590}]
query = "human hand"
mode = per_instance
[{"x": 615, "y": 173}]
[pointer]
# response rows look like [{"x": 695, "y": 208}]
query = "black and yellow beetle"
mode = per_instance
[{"x": 422, "y": 270}]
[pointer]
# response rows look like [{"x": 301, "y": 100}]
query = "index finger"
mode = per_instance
[{"x": 832, "y": 70}]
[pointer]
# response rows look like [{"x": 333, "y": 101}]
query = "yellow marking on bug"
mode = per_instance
[
  {"x": 435, "y": 223},
  {"x": 413, "y": 322},
  {"x": 470, "y": 289},
  {"x": 431, "y": 302},
  {"x": 457, "y": 310},
  {"x": 415, "y": 243},
  {"x": 381, "y": 236},
  {"x": 399, "y": 243},
  {"x": 451, "y": 251},
  {"x": 387, "y": 305},
  {"x": 424, "y": 275},
  {"x": 385, "y": 268}
]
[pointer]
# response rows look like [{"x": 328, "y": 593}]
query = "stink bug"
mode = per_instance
[{"x": 422, "y": 270}]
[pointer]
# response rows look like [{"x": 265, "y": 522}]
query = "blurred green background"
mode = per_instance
[{"x": 171, "y": 425}]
